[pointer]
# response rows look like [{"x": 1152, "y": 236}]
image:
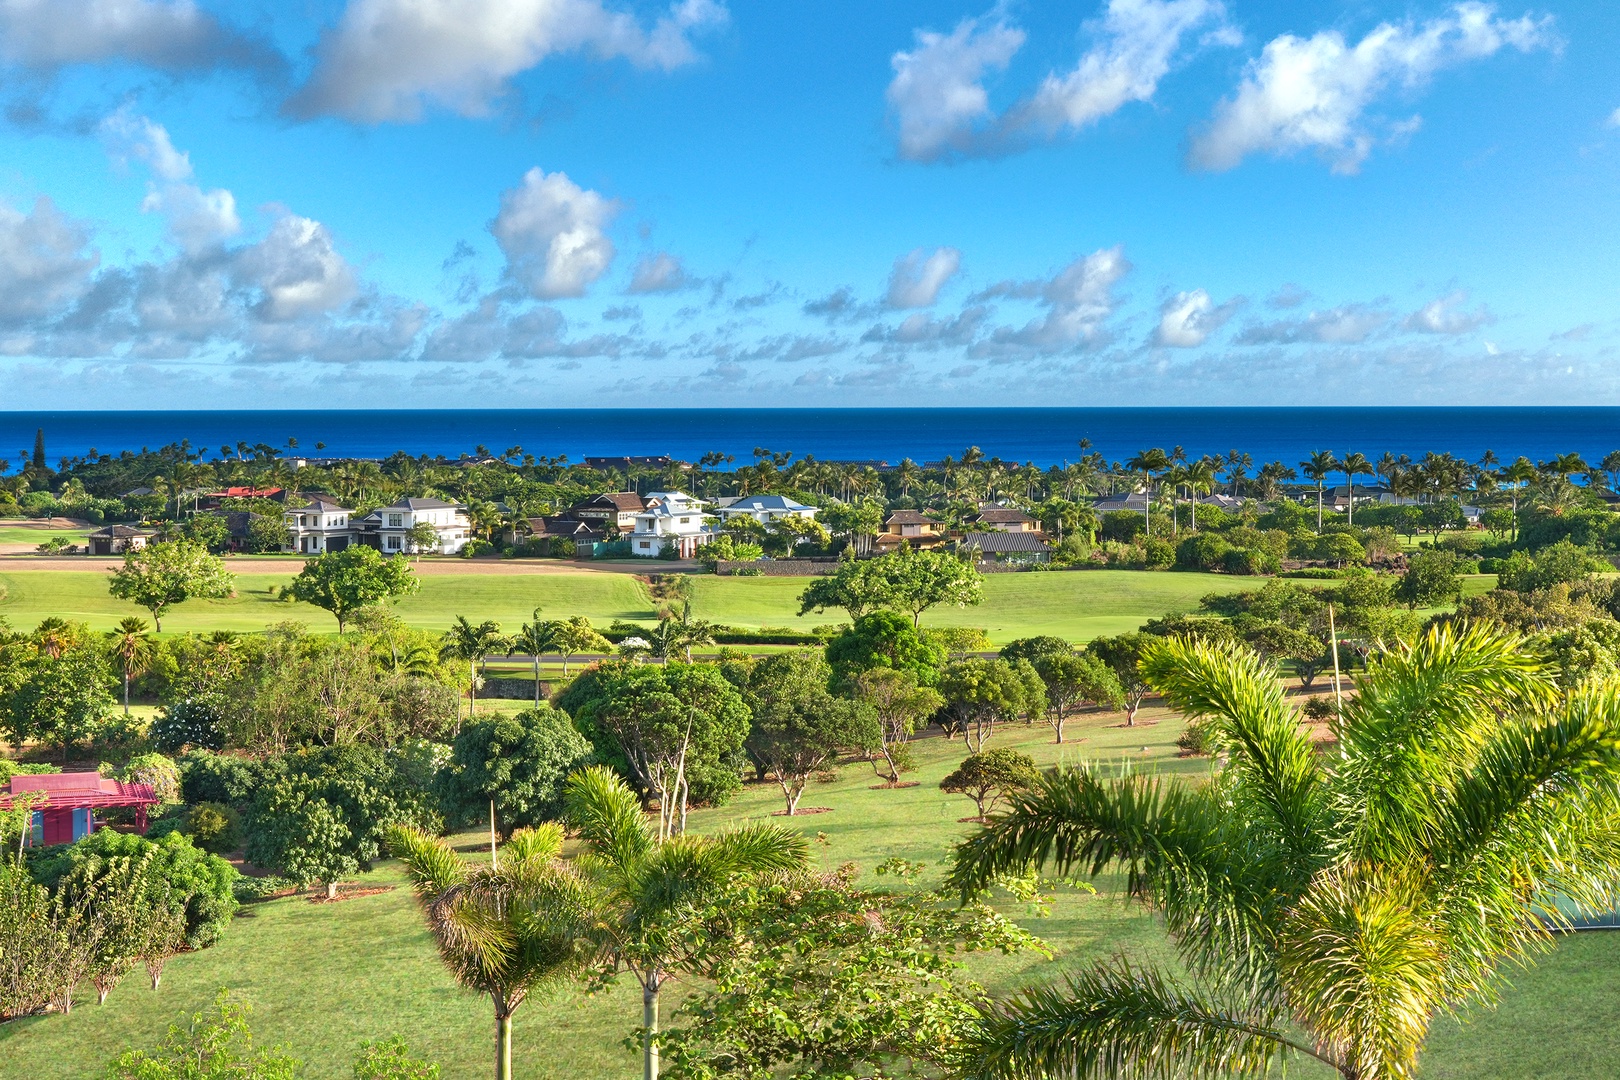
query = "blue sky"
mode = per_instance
[{"x": 372, "y": 203}]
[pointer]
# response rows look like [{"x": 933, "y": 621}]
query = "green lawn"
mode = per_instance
[
  {"x": 1077, "y": 605},
  {"x": 23, "y": 534},
  {"x": 324, "y": 977}
]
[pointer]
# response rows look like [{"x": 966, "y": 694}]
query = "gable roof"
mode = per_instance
[
  {"x": 120, "y": 532},
  {"x": 421, "y": 504},
  {"x": 1001, "y": 515},
  {"x": 76, "y": 790},
  {"x": 766, "y": 502},
  {"x": 910, "y": 517},
  {"x": 623, "y": 501},
  {"x": 316, "y": 501},
  {"x": 560, "y": 526},
  {"x": 998, "y": 542}
]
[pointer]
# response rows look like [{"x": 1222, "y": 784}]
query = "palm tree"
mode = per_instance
[
  {"x": 653, "y": 892},
  {"x": 464, "y": 641},
  {"x": 1199, "y": 476},
  {"x": 1317, "y": 467},
  {"x": 1520, "y": 473},
  {"x": 505, "y": 928},
  {"x": 535, "y": 638},
  {"x": 134, "y": 650},
  {"x": 1324, "y": 904},
  {"x": 1355, "y": 464},
  {"x": 1149, "y": 463}
]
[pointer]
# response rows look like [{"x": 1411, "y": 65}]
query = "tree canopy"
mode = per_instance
[
  {"x": 344, "y": 582},
  {"x": 904, "y": 580},
  {"x": 161, "y": 575}
]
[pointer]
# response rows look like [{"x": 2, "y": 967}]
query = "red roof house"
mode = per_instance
[{"x": 71, "y": 800}]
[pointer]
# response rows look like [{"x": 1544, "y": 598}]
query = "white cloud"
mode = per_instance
[
  {"x": 1312, "y": 93},
  {"x": 297, "y": 269},
  {"x": 552, "y": 232},
  {"x": 661, "y": 272},
  {"x": 940, "y": 102},
  {"x": 171, "y": 35},
  {"x": 197, "y": 219},
  {"x": 388, "y": 60},
  {"x": 1187, "y": 319},
  {"x": 43, "y": 262},
  {"x": 1079, "y": 301},
  {"x": 918, "y": 276},
  {"x": 1348, "y": 324},
  {"x": 1614, "y": 119},
  {"x": 936, "y": 94},
  {"x": 1445, "y": 316}
]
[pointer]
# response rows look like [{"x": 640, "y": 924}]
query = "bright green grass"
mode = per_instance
[
  {"x": 322, "y": 978},
  {"x": 18, "y": 534},
  {"x": 1077, "y": 605}
]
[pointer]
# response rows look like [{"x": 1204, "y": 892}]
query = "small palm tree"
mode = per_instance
[
  {"x": 1325, "y": 905},
  {"x": 1318, "y": 467},
  {"x": 536, "y": 638},
  {"x": 653, "y": 892},
  {"x": 1355, "y": 464},
  {"x": 464, "y": 641},
  {"x": 134, "y": 650},
  {"x": 505, "y": 928}
]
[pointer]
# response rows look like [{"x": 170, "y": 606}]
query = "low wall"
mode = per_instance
[
  {"x": 513, "y": 689},
  {"x": 778, "y": 567}
]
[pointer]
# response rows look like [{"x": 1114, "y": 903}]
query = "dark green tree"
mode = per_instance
[
  {"x": 884, "y": 639},
  {"x": 990, "y": 776},
  {"x": 799, "y": 726},
  {"x": 343, "y": 582},
  {"x": 519, "y": 762}
]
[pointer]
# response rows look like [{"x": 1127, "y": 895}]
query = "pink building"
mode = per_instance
[{"x": 71, "y": 800}]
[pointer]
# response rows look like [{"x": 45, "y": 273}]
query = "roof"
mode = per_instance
[
  {"x": 767, "y": 502},
  {"x": 76, "y": 790},
  {"x": 619, "y": 500},
  {"x": 1003, "y": 542},
  {"x": 246, "y": 493},
  {"x": 560, "y": 526},
  {"x": 421, "y": 504},
  {"x": 316, "y": 501},
  {"x": 137, "y": 492},
  {"x": 909, "y": 517},
  {"x": 120, "y": 532},
  {"x": 1134, "y": 500},
  {"x": 1001, "y": 515}
]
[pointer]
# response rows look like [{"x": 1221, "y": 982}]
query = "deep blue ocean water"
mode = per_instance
[{"x": 1045, "y": 436}]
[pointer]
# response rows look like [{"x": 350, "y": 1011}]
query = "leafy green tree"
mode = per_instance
[
  {"x": 904, "y": 580},
  {"x": 209, "y": 530},
  {"x": 216, "y": 1045},
  {"x": 799, "y": 726},
  {"x": 1073, "y": 679},
  {"x": 1033, "y": 648},
  {"x": 62, "y": 700},
  {"x": 1122, "y": 653},
  {"x": 1325, "y": 906},
  {"x": 504, "y": 928},
  {"x": 1432, "y": 578},
  {"x": 344, "y": 582},
  {"x": 267, "y": 534},
  {"x": 575, "y": 635},
  {"x": 162, "y": 575},
  {"x": 518, "y": 763},
  {"x": 884, "y": 639},
  {"x": 980, "y": 693},
  {"x": 655, "y": 893},
  {"x": 1562, "y": 563},
  {"x": 390, "y": 1059},
  {"x": 990, "y": 776},
  {"x": 899, "y": 704}
]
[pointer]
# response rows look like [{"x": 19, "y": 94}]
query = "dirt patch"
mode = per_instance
[
  {"x": 351, "y": 892},
  {"x": 1139, "y": 723},
  {"x": 803, "y": 810},
  {"x": 891, "y": 787},
  {"x": 971, "y": 820}
]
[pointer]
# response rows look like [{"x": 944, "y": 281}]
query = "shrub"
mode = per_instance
[
  {"x": 1249, "y": 562},
  {"x": 158, "y": 771},
  {"x": 1202, "y": 551},
  {"x": 222, "y": 778},
  {"x": 196, "y": 722},
  {"x": 518, "y": 761},
  {"x": 214, "y": 827},
  {"x": 1158, "y": 554},
  {"x": 1194, "y": 739}
]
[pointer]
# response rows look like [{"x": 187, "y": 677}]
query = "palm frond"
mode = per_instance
[
  {"x": 607, "y": 814},
  {"x": 539, "y": 844},
  {"x": 762, "y": 848},
  {"x": 432, "y": 865},
  {"x": 1117, "y": 1020}
]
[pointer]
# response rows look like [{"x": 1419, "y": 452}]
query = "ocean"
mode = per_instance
[{"x": 1044, "y": 436}]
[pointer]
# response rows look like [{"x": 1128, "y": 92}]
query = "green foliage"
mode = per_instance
[
  {"x": 344, "y": 582},
  {"x": 1033, "y": 648},
  {"x": 1432, "y": 578},
  {"x": 799, "y": 726},
  {"x": 160, "y": 772},
  {"x": 990, "y": 776},
  {"x": 390, "y": 1059},
  {"x": 214, "y": 827},
  {"x": 905, "y": 580},
  {"x": 729, "y": 548},
  {"x": 1122, "y": 654},
  {"x": 162, "y": 575},
  {"x": 59, "y": 700},
  {"x": 980, "y": 693},
  {"x": 201, "y": 722},
  {"x": 1557, "y": 564},
  {"x": 210, "y": 530},
  {"x": 228, "y": 779},
  {"x": 267, "y": 534},
  {"x": 884, "y": 639},
  {"x": 215, "y": 1045},
  {"x": 1073, "y": 679},
  {"x": 518, "y": 761}
]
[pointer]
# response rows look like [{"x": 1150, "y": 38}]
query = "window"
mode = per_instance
[
  {"x": 645, "y": 544},
  {"x": 396, "y": 521},
  {"x": 686, "y": 521},
  {"x": 393, "y": 543}
]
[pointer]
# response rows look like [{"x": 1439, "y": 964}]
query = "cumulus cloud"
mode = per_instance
[
  {"x": 1187, "y": 319},
  {"x": 552, "y": 233},
  {"x": 44, "y": 262},
  {"x": 1079, "y": 300},
  {"x": 170, "y": 35},
  {"x": 296, "y": 269},
  {"x": 918, "y": 276},
  {"x": 1289, "y": 296},
  {"x": 389, "y": 60},
  {"x": 937, "y": 94},
  {"x": 1349, "y": 324},
  {"x": 1313, "y": 93},
  {"x": 840, "y": 305},
  {"x": 1446, "y": 316},
  {"x": 661, "y": 272},
  {"x": 921, "y": 328},
  {"x": 941, "y": 107},
  {"x": 197, "y": 219}
]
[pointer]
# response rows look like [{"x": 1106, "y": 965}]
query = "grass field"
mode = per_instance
[
  {"x": 324, "y": 977},
  {"x": 1077, "y": 606}
]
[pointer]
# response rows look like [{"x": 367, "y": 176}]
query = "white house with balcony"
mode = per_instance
[
  {"x": 389, "y": 528},
  {"x": 764, "y": 509},
  {"x": 318, "y": 524},
  {"x": 674, "y": 518}
]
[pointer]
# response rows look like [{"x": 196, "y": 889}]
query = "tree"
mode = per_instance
[
  {"x": 1401, "y": 873},
  {"x": 884, "y": 639},
  {"x": 215, "y": 1045},
  {"x": 134, "y": 650},
  {"x": 512, "y": 767},
  {"x": 267, "y": 534},
  {"x": 799, "y": 726},
  {"x": 899, "y": 704},
  {"x": 464, "y": 641},
  {"x": 161, "y": 575},
  {"x": 978, "y": 693},
  {"x": 1121, "y": 653},
  {"x": 1072, "y": 679},
  {"x": 60, "y": 701},
  {"x": 1033, "y": 648},
  {"x": 576, "y": 635},
  {"x": 504, "y": 928},
  {"x": 991, "y": 776},
  {"x": 653, "y": 891},
  {"x": 535, "y": 637},
  {"x": 904, "y": 580},
  {"x": 1318, "y": 467},
  {"x": 1355, "y": 464},
  {"x": 1431, "y": 578},
  {"x": 422, "y": 537},
  {"x": 344, "y": 582}
]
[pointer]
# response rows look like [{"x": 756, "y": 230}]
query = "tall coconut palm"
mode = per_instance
[
  {"x": 653, "y": 891},
  {"x": 536, "y": 637},
  {"x": 1354, "y": 464},
  {"x": 504, "y": 928},
  {"x": 1327, "y": 905},
  {"x": 465, "y": 641},
  {"x": 1150, "y": 463},
  {"x": 1317, "y": 467},
  {"x": 134, "y": 650}
]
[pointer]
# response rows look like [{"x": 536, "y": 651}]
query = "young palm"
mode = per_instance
[
  {"x": 505, "y": 928},
  {"x": 1318, "y": 467},
  {"x": 464, "y": 641},
  {"x": 134, "y": 650},
  {"x": 653, "y": 893},
  {"x": 535, "y": 638},
  {"x": 1326, "y": 905}
]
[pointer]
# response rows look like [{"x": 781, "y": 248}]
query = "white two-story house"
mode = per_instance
[
  {"x": 389, "y": 529},
  {"x": 670, "y": 517},
  {"x": 317, "y": 524},
  {"x": 765, "y": 509}
]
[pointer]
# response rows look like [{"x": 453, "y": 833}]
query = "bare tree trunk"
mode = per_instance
[
  {"x": 649, "y": 1021},
  {"x": 503, "y": 1044}
]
